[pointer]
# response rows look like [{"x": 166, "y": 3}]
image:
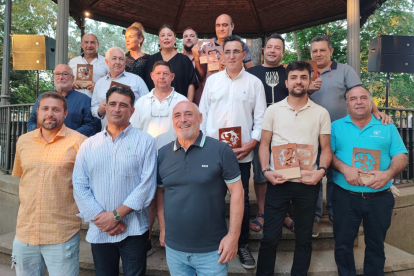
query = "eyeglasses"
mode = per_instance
[
  {"x": 235, "y": 52},
  {"x": 166, "y": 110},
  {"x": 65, "y": 74}
]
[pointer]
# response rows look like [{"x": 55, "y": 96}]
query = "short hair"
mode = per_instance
[
  {"x": 189, "y": 28},
  {"x": 322, "y": 38},
  {"x": 123, "y": 90},
  {"x": 139, "y": 29},
  {"x": 346, "y": 92},
  {"x": 299, "y": 65},
  {"x": 166, "y": 26},
  {"x": 275, "y": 36},
  {"x": 97, "y": 41},
  {"x": 113, "y": 48},
  {"x": 162, "y": 62},
  {"x": 231, "y": 19},
  {"x": 54, "y": 95},
  {"x": 233, "y": 38}
]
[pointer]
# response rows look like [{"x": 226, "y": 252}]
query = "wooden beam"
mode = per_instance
[
  {"x": 180, "y": 12},
  {"x": 94, "y": 4},
  {"x": 256, "y": 15},
  {"x": 343, "y": 2}
]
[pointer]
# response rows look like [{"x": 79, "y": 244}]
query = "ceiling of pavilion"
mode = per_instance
[{"x": 252, "y": 18}]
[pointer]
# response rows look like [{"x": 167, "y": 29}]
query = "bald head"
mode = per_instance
[
  {"x": 90, "y": 45},
  {"x": 186, "y": 120},
  {"x": 224, "y": 27},
  {"x": 63, "y": 83},
  {"x": 359, "y": 103}
]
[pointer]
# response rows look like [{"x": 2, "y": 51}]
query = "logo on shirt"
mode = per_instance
[
  {"x": 376, "y": 134},
  {"x": 204, "y": 166}
]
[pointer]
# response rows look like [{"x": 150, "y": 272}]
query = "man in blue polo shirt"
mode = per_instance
[
  {"x": 353, "y": 201},
  {"x": 194, "y": 173}
]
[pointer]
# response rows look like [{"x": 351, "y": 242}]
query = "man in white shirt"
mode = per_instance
[
  {"x": 153, "y": 111},
  {"x": 115, "y": 59},
  {"x": 233, "y": 98},
  {"x": 90, "y": 56}
]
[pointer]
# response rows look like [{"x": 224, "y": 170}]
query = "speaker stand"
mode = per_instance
[{"x": 387, "y": 89}]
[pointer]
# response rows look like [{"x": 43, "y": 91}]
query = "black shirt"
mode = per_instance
[
  {"x": 271, "y": 75},
  {"x": 195, "y": 190},
  {"x": 182, "y": 68},
  {"x": 135, "y": 66}
]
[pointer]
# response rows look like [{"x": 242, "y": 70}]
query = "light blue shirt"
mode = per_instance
[
  {"x": 345, "y": 136},
  {"x": 137, "y": 85},
  {"x": 108, "y": 174}
]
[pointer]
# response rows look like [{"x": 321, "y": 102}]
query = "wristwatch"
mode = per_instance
[
  {"x": 117, "y": 216},
  {"x": 266, "y": 170},
  {"x": 323, "y": 168}
]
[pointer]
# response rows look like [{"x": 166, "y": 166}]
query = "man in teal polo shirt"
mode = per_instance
[{"x": 353, "y": 201}]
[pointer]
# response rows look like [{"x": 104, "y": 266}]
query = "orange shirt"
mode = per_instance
[{"x": 47, "y": 212}]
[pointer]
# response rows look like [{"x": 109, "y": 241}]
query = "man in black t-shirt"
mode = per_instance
[{"x": 273, "y": 76}]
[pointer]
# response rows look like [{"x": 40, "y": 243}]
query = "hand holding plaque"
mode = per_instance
[
  {"x": 366, "y": 160},
  {"x": 285, "y": 160},
  {"x": 231, "y": 136},
  {"x": 204, "y": 44}
]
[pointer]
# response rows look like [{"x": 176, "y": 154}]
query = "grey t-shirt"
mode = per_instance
[
  {"x": 336, "y": 81},
  {"x": 195, "y": 190}
]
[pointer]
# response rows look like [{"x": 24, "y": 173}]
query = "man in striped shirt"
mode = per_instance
[{"x": 114, "y": 182}]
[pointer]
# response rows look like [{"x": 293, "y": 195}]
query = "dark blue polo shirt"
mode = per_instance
[{"x": 195, "y": 189}]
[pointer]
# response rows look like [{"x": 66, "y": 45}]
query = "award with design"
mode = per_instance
[
  {"x": 286, "y": 161},
  {"x": 84, "y": 74},
  {"x": 367, "y": 160},
  {"x": 114, "y": 83},
  {"x": 305, "y": 156},
  {"x": 213, "y": 58},
  {"x": 204, "y": 44},
  {"x": 231, "y": 136},
  {"x": 314, "y": 74}
]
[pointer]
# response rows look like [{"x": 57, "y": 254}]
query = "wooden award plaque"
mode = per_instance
[
  {"x": 232, "y": 136},
  {"x": 305, "y": 156},
  {"x": 213, "y": 58},
  {"x": 84, "y": 74},
  {"x": 204, "y": 44},
  {"x": 286, "y": 161},
  {"x": 367, "y": 160},
  {"x": 114, "y": 83},
  {"x": 314, "y": 74}
]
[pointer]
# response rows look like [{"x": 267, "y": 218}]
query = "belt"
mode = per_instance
[{"x": 368, "y": 195}]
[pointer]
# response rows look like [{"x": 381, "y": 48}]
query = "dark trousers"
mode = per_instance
[
  {"x": 245, "y": 177},
  {"x": 376, "y": 215},
  {"x": 132, "y": 251},
  {"x": 304, "y": 199}
]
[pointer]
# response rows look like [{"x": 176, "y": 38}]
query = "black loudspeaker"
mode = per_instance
[
  {"x": 392, "y": 54},
  {"x": 33, "y": 52}
]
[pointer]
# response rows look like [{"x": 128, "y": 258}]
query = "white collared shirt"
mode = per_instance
[
  {"x": 100, "y": 69},
  {"x": 155, "y": 117},
  {"x": 234, "y": 102},
  {"x": 137, "y": 85}
]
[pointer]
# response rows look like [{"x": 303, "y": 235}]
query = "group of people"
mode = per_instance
[{"x": 153, "y": 123}]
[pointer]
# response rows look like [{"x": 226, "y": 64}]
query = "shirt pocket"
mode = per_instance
[{"x": 129, "y": 165}]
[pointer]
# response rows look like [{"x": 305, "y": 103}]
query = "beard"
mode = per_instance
[
  {"x": 51, "y": 125},
  {"x": 298, "y": 94},
  {"x": 188, "y": 48},
  {"x": 63, "y": 86}
]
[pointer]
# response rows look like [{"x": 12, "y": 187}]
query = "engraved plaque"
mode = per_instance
[
  {"x": 231, "y": 136},
  {"x": 314, "y": 74},
  {"x": 114, "y": 83},
  {"x": 213, "y": 58},
  {"x": 367, "y": 160},
  {"x": 84, "y": 74},
  {"x": 305, "y": 156},
  {"x": 204, "y": 44},
  {"x": 286, "y": 161}
]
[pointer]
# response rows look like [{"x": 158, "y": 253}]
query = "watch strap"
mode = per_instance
[{"x": 323, "y": 168}]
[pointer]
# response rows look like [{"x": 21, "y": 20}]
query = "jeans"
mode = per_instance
[
  {"x": 375, "y": 214},
  {"x": 192, "y": 264},
  {"x": 304, "y": 199},
  {"x": 61, "y": 259},
  {"x": 132, "y": 250},
  {"x": 245, "y": 177},
  {"x": 329, "y": 188}
]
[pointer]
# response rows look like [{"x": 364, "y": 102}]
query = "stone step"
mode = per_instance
[
  {"x": 324, "y": 241},
  {"x": 398, "y": 262}
]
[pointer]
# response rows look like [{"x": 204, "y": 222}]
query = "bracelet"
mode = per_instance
[
  {"x": 266, "y": 170},
  {"x": 323, "y": 168}
]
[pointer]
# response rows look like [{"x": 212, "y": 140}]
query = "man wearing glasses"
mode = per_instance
[
  {"x": 79, "y": 116},
  {"x": 235, "y": 98},
  {"x": 153, "y": 111}
]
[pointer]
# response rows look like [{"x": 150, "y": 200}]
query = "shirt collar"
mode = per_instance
[
  {"x": 69, "y": 92},
  {"x": 238, "y": 76},
  {"x": 199, "y": 142},
  {"x": 120, "y": 75},
  {"x": 184, "y": 53},
  {"x": 83, "y": 56},
  {"x": 124, "y": 132},
  {"x": 61, "y": 133},
  {"x": 309, "y": 103},
  {"x": 151, "y": 94}
]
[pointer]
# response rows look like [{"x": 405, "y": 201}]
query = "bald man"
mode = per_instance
[
  {"x": 79, "y": 116},
  {"x": 198, "y": 189},
  {"x": 90, "y": 46},
  {"x": 224, "y": 28}
]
